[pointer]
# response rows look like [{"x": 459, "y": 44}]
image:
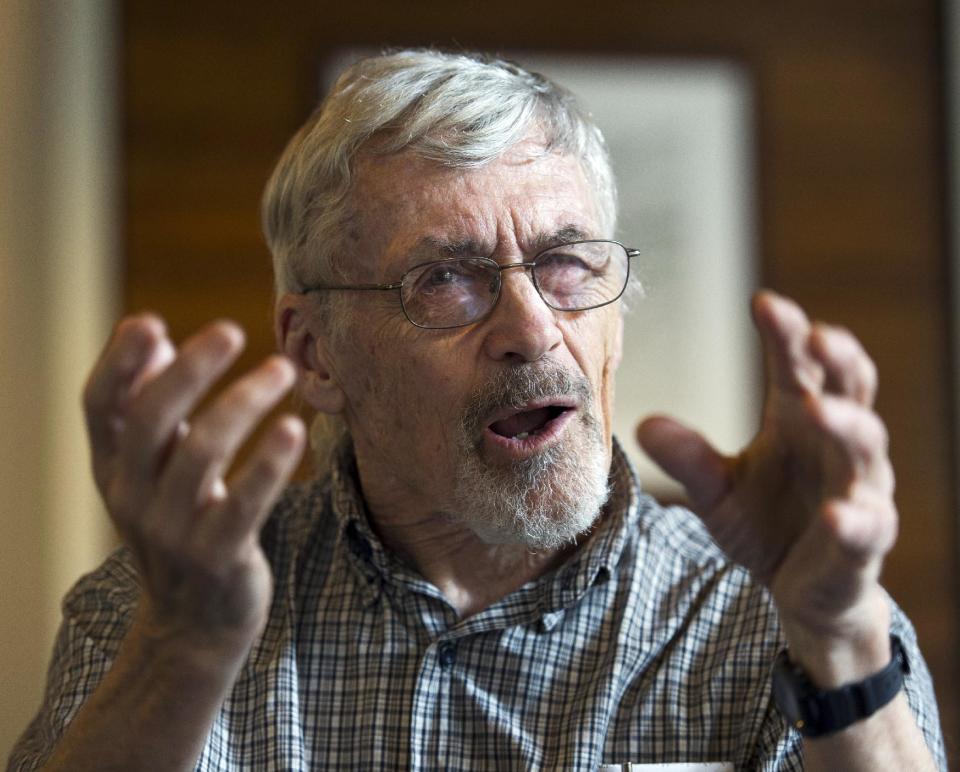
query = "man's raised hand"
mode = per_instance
[
  {"x": 206, "y": 583},
  {"x": 808, "y": 506}
]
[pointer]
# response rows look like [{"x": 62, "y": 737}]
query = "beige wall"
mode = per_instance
[{"x": 57, "y": 300}]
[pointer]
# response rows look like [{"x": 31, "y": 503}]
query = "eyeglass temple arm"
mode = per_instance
[{"x": 393, "y": 286}]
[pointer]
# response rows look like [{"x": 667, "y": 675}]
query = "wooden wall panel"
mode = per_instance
[{"x": 850, "y": 178}]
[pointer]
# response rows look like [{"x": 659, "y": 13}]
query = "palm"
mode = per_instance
[{"x": 776, "y": 485}]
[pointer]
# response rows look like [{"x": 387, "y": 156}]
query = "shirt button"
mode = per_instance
[{"x": 447, "y": 654}]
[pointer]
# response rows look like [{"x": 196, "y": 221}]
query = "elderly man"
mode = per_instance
[{"x": 477, "y": 581}]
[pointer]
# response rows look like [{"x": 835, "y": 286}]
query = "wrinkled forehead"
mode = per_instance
[{"x": 406, "y": 208}]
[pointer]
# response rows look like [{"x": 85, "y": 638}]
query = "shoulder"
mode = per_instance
[
  {"x": 681, "y": 581},
  {"x": 679, "y": 530},
  {"x": 674, "y": 541},
  {"x": 301, "y": 518}
]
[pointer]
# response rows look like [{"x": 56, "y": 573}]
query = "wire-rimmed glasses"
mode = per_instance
[{"x": 457, "y": 291}]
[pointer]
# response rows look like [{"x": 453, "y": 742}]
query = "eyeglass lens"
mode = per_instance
[{"x": 570, "y": 277}]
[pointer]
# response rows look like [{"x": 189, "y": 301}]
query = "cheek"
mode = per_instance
[
  {"x": 416, "y": 383},
  {"x": 372, "y": 372},
  {"x": 436, "y": 383}
]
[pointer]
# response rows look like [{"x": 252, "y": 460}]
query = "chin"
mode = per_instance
[{"x": 543, "y": 506}]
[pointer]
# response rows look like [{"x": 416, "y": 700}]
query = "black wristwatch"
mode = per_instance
[{"x": 816, "y": 712}]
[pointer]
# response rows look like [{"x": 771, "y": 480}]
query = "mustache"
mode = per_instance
[{"x": 519, "y": 386}]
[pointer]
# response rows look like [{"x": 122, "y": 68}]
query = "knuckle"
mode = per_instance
[
  {"x": 881, "y": 435},
  {"x": 872, "y": 437},
  {"x": 888, "y": 482},
  {"x": 892, "y": 528},
  {"x": 870, "y": 373},
  {"x": 820, "y": 328},
  {"x": 842, "y": 339},
  {"x": 202, "y": 445},
  {"x": 843, "y": 334}
]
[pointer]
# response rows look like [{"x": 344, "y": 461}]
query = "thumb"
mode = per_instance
[{"x": 687, "y": 457}]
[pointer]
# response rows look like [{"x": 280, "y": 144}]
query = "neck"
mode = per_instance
[{"x": 471, "y": 574}]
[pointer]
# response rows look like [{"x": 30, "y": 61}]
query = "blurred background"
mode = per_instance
[{"x": 135, "y": 139}]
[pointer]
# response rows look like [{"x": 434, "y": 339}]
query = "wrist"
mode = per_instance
[
  {"x": 832, "y": 656},
  {"x": 154, "y": 708},
  {"x": 817, "y": 712},
  {"x": 195, "y": 658}
]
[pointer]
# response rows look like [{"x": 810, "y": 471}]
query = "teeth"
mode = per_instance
[{"x": 521, "y": 436}]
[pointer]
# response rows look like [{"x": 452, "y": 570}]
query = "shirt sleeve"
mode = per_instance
[
  {"x": 918, "y": 686},
  {"x": 96, "y": 616}
]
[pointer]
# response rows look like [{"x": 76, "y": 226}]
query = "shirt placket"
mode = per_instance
[{"x": 431, "y": 707}]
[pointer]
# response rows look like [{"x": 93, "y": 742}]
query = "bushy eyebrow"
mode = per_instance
[
  {"x": 431, "y": 245},
  {"x": 563, "y": 235}
]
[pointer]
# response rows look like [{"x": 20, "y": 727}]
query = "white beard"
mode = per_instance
[{"x": 543, "y": 502}]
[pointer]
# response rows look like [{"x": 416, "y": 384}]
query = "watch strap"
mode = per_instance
[{"x": 824, "y": 711}]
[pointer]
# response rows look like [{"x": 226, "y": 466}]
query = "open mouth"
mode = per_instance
[{"x": 523, "y": 424}]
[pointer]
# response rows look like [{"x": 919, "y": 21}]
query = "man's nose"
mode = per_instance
[{"x": 522, "y": 326}]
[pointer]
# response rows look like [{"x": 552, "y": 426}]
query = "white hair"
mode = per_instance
[{"x": 459, "y": 110}]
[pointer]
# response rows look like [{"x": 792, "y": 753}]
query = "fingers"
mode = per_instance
[
  {"x": 196, "y": 467},
  {"x": 161, "y": 468},
  {"x": 848, "y": 370},
  {"x": 138, "y": 350},
  {"x": 168, "y": 399},
  {"x": 687, "y": 457},
  {"x": 258, "y": 483},
  {"x": 836, "y": 381},
  {"x": 864, "y": 529},
  {"x": 805, "y": 358},
  {"x": 833, "y": 567},
  {"x": 785, "y": 330},
  {"x": 859, "y": 441}
]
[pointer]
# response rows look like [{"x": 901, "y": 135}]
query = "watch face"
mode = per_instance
[{"x": 785, "y": 695}]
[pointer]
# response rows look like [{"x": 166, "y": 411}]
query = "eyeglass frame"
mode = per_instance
[{"x": 398, "y": 285}]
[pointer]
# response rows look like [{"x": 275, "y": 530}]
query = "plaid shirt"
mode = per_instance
[{"x": 646, "y": 646}]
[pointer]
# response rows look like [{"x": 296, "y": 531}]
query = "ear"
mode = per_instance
[{"x": 301, "y": 338}]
